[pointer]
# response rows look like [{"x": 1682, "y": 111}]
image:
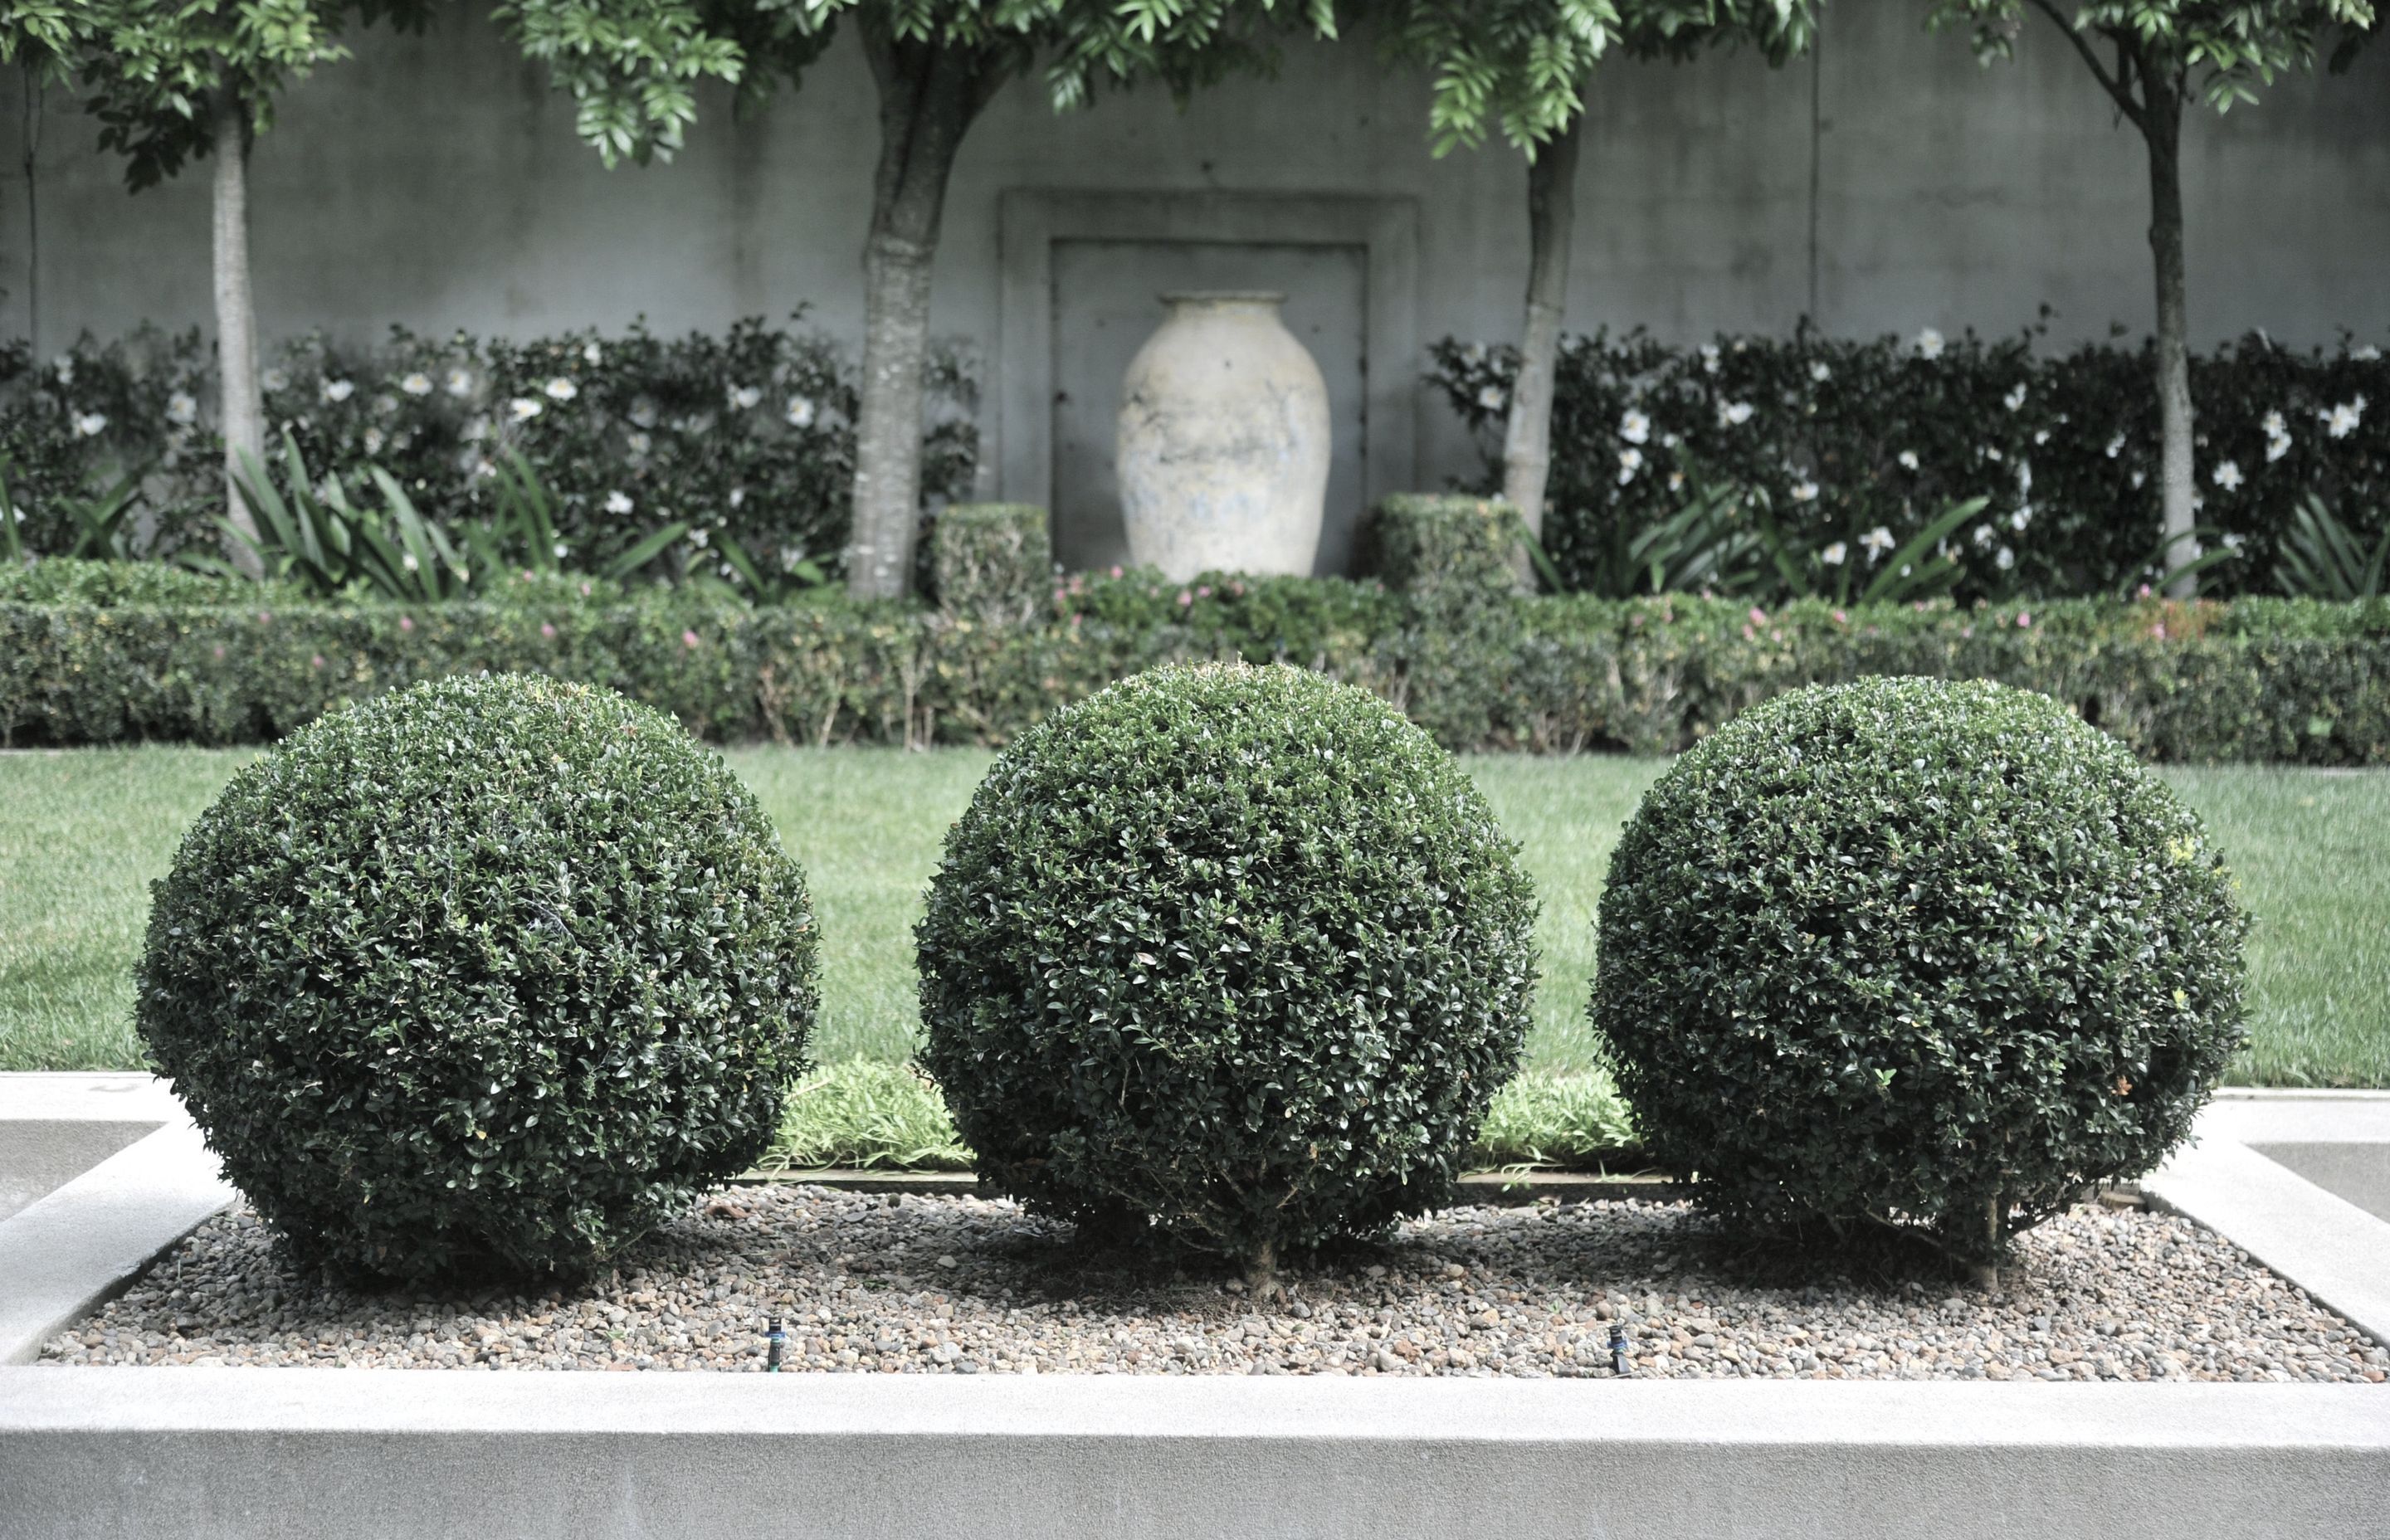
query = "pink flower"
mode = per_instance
[
  {"x": 219, "y": 652},
  {"x": 1758, "y": 616},
  {"x": 2158, "y": 631},
  {"x": 2144, "y": 593},
  {"x": 2023, "y": 619},
  {"x": 688, "y": 638},
  {"x": 265, "y": 617},
  {"x": 1748, "y": 634},
  {"x": 1184, "y": 598},
  {"x": 316, "y": 661},
  {"x": 1203, "y": 593},
  {"x": 1116, "y": 571},
  {"x": 547, "y": 629},
  {"x": 1841, "y": 618},
  {"x": 407, "y": 623}
]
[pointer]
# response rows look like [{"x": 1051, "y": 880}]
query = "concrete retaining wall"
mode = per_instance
[{"x": 365, "y": 1454}]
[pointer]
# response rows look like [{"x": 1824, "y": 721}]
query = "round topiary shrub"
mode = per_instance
[
  {"x": 1237, "y": 951},
  {"x": 1914, "y": 954},
  {"x": 488, "y": 976}
]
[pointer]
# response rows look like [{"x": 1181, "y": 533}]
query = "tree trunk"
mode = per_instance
[
  {"x": 2163, "y": 128},
  {"x": 242, "y": 409},
  {"x": 927, "y": 97},
  {"x": 1551, "y": 222}
]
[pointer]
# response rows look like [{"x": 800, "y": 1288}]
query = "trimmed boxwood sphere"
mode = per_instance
[
  {"x": 1915, "y": 953},
  {"x": 1237, "y": 951},
  {"x": 485, "y": 977}
]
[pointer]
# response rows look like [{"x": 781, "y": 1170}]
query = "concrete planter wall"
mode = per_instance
[{"x": 1223, "y": 446}]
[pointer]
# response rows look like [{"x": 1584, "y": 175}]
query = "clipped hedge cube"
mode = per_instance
[
  {"x": 1914, "y": 956},
  {"x": 487, "y": 977},
  {"x": 1434, "y": 545},
  {"x": 992, "y": 562},
  {"x": 1237, "y": 951}
]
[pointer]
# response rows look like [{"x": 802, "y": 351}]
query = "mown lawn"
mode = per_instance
[{"x": 82, "y": 834}]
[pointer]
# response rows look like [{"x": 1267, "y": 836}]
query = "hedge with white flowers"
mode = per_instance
[
  {"x": 1859, "y": 445},
  {"x": 749, "y": 433}
]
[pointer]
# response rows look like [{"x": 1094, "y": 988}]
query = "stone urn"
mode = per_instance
[{"x": 1222, "y": 453}]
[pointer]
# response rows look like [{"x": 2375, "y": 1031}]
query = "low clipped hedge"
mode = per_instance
[
  {"x": 2296, "y": 681},
  {"x": 1913, "y": 955},
  {"x": 1239, "y": 952},
  {"x": 485, "y": 977}
]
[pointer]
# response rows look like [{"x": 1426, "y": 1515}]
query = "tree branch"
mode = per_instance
[{"x": 2115, "y": 88}]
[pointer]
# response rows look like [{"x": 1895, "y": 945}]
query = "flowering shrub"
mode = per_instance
[
  {"x": 1856, "y": 446},
  {"x": 487, "y": 976},
  {"x": 1238, "y": 951},
  {"x": 748, "y": 434},
  {"x": 1910, "y": 953},
  {"x": 73, "y": 423}
]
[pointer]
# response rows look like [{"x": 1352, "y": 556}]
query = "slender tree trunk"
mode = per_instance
[
  {"x": 2163, "y": 128},
  {"x": 242, "y": 408},
  {"x": 1551, "y": 223},
  {"x": 927, "y": 98}
]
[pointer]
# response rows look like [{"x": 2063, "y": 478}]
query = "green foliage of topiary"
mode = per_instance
[
  {"x": 1443, "y": 546},
  {"x": 485, "y": 977},
  {"x": 1236, "y": 950},
  {"x": 1909, "y": 953}
]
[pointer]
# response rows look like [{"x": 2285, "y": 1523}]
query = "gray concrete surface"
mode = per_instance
[
  {"x": 436, "y": 181},
  {"x": 271, "y": 1453},
  {"x": 36, "y": 1159},
  {"x": 2319, "y": 1241},
  {"x": 66, "y": 1253},
  {"x": 2360, "y": 1172}
]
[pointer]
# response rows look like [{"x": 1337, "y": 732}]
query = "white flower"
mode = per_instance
[
  {"x": 738, "y": 495},
  {"x": 789, "y": 557},
  {"x": 640, "y": 444},
  {"x": 1990, "y": 452},
  {"x": 745, "y": 398},
  {"x": 1818, "y": 372},
  {"x": 182, "y": 408},
  {"x": 560, "y": 389},
  {"x": 1630, "y": 460},
  {"x": 2234, "y": 542},
  {"x": 477, "y": 429},
  {"x": 523, "y": 408},
  {"x": 2115, "y": 446},
  {"x": 800, "y": 412},
  {"x": 2042, "y": 435},
  {"x": 1836, "y": 554},
  {"x": 2139, "y": 477},
  {"x": 1676, "y": 480},
  {"x": 2226, "y": 475},
  {"x": 699, "y": 538},
  {"x": 563, "y": 552},
  {"x": 1635, "y": 428},
  {"x": 1929, "y": 344},
  {"x": 2276, "y": 425},
  {"x": 1491, "y": 398},
  {"x": 385, "y": 403},
  {"x": 1908, "y": 458},
  {"x": 1984, "y": 536},
  {"x": 337, "y": 390},
  {"x": 1805, "y": 491},
  {"x": 2004, "y": 560},
  {"x": 2014, "y": 400},
  {"x": 460, "y": 382},
  {"x": 90, "y": 425},
  {"x": 2366, "y": 355},
  {"x": 375, "y": 439},
  {"x": 617, "y": 502},
  {"x": 2024, "y": 477},
  {"x": 2020, "y": 518},
  {"x": 406, "y": 559},
  {"x": 643, "y": 413},
  {"x": 63, "y": 364},
  {"x": 2342, "y": 420},
  {"x": 274, "y": 379},
  {"x": 1709, "y": 358},
  {"x": 591, "y": 356},
  {"x": 1877, "y": 541},
  {"x": 1733, "y": 413},
  {"x": 417, "y": 384},
  {"x": 1473, "y": 353}
]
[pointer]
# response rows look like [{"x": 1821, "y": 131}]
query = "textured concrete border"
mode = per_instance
[
  {"x": 2318, "y": 1239},
  {"x": 363, "y": 1453}
]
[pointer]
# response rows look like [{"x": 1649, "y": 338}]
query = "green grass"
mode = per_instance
[{"x": 83, "y": 834}]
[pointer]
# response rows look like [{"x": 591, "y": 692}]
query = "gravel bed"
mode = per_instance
[{"x": 963, "y": 1285}]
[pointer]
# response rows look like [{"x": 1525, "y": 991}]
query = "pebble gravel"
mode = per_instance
[{"x": 911, "y": 1284}]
